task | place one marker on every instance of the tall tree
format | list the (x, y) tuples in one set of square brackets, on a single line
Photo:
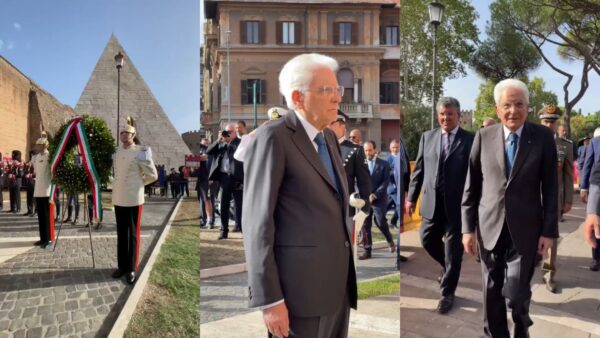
[(456, 38), (572, 26), (504, 54)]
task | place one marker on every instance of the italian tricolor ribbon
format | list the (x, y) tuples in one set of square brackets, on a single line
[(83, 145)]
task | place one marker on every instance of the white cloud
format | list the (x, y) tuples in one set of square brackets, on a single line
[(17, 26), (10, 45)]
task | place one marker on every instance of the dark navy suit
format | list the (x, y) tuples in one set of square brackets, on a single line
[(590, 180), (380, 179)]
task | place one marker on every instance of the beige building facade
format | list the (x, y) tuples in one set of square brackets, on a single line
[(259, 37), (25, 111)]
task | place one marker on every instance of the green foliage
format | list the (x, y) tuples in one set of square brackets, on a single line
[(504, 54), (417, 120), (582, 126), (70, 176), (456, 37)]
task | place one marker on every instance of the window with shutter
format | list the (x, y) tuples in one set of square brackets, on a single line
[(252, 34), (279, 32), (345, 34), (289, 33), (298, 33), (243, 34), (391, 35), (244, 92), (389, 93), (354, 33)]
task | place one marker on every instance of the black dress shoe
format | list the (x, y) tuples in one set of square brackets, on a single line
[(38, 243), (445, 304), (46, 245), (237, 230), (130, 278), (223, 236), (211, 225), (118, 273), (365, 255), (26, 214), (595, 266), (402, 258)]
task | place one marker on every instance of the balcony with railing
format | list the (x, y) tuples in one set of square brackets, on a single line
[(358, 110)]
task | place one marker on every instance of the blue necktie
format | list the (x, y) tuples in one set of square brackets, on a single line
[(371, 166), (511, 151), (325, 158)]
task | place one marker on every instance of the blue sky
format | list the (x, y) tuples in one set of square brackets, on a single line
[(466, 89), (57, 44)]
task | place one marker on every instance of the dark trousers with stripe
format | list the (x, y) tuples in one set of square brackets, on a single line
[(128, 236), (43, 210)]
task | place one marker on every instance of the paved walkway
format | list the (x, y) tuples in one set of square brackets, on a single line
[(571, 313), (46, 293), (224, 305)]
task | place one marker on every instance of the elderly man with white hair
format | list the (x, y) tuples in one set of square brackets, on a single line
[(296, 231), (511, 199)]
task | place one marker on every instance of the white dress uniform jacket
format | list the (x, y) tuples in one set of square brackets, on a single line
[(134, 169), (41, 168)]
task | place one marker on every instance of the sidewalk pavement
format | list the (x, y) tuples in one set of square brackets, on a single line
[(573, 312), (224, 305), (45, 293)]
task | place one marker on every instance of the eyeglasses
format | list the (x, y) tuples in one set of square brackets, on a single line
[(353, 137), (327, 90)]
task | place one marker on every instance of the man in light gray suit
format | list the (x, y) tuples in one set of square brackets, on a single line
[(510, 165), (297, 232)]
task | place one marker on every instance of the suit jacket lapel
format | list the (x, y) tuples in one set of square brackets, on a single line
[(306, 147), (522, 151), (501, 149)]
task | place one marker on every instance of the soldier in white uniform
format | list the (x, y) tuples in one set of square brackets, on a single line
[(134, 169), (41, 191)]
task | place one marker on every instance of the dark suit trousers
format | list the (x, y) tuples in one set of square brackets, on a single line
[(506, 274), (443, 242), (15, 196), (128, 236), (1, 193), (596, 251), (333, 325), (43, 210), (30, 200), (228, 191), (380, 222)]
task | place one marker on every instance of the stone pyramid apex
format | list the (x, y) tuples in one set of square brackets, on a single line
[(153, 126)]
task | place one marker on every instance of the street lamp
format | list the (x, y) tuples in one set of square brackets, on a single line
[(119, 65), (436, 11), (228, 78)]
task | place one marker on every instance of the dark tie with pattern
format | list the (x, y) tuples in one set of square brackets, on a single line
[(325, 158)]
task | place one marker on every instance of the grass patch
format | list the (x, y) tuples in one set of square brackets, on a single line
[(384, 286), (170, 304)]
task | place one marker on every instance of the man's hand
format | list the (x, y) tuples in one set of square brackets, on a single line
[(468, 241), (372, 198), (584, 196), (544, 244), (203, 157), (411, 208), (567, 208), (592, 229), (277, 320)]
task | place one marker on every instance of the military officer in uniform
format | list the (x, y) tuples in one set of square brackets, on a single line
[(28, 182), (549, 116), (355, 162), (41, 191), (15, 178), (134, 169)]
